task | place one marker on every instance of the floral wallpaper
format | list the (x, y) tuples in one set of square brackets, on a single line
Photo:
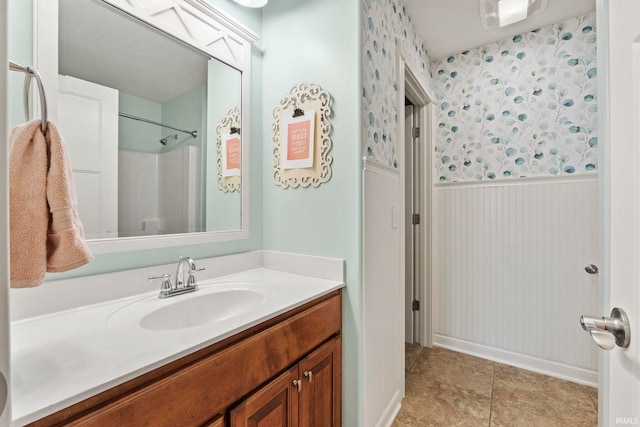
[(384, 21), (521, 107)]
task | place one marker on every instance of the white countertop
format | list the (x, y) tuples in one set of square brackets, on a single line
[(62, 358)]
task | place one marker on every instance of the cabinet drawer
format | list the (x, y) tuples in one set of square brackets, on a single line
[(192, 395)]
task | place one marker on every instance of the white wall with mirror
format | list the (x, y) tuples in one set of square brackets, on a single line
[(140, 92)]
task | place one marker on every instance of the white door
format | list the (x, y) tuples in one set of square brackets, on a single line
[(88, 121), (619, 34)]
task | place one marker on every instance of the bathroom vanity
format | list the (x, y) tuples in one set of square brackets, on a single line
[(286, 369), (275, 361)]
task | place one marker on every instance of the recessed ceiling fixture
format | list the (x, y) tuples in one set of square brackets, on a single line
[(252, 3), (500, 13)]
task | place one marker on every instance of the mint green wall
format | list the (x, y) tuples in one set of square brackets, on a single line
[(184, 112), (318, 41), (20, 51), (136, 135)]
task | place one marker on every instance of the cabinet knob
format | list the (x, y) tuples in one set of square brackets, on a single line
[(298, 384), (309, 375)]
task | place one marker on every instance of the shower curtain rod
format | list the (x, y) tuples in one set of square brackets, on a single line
[(193, 133)]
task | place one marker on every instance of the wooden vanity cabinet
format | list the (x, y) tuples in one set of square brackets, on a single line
[(321, 391), (307, 395), (274, 405), (244, 380)]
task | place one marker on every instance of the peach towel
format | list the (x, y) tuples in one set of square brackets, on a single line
[(45, 230), (28, 211), (66, 248)]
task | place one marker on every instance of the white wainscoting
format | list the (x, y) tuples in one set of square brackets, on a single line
[(383, 297), (509, 278)]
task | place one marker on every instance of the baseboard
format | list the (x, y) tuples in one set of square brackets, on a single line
[(391, 412), (530, 363)]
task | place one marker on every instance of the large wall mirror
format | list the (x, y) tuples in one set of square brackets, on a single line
[(152, 100)]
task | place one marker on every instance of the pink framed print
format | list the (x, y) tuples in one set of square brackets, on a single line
[(231, 154), (298, 137)]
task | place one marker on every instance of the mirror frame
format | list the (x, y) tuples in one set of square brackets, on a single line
[(222, 37)]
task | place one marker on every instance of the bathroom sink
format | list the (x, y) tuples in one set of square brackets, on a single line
[(208, 305), (201, 309)]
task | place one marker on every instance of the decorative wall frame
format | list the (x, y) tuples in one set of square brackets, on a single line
[(229, 126), (304, 97)]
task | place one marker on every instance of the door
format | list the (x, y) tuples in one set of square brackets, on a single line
[(320, 395), (88, 121), (619, 369), (412, 222), (274, 405)]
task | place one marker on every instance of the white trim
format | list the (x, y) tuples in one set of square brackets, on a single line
[(226, 39), (105, 246), (530, 363), (224, 19), (604, 195), (45, 54), (411, 86), (391, 412), (5, 330), (562, 179), (376, 166)]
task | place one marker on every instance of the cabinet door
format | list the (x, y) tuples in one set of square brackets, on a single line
[(320, 399), (215, 422), (274, 405)]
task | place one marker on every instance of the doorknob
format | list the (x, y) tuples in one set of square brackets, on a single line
[(608, 332), (591, 269)]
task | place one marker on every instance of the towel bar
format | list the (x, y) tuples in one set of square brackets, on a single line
[(30, 73)]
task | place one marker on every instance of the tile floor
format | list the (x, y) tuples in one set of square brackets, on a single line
[(445, 388)]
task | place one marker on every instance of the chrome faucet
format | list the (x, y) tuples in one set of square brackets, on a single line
[(185, 279)]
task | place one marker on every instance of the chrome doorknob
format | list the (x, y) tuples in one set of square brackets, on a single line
[(591, 269), (608, 332)]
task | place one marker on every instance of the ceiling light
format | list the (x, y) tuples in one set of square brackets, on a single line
[(500, 13), (252, 3)]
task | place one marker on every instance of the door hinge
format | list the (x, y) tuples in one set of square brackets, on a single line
[(415, 305), (415, 219), (415, 132)]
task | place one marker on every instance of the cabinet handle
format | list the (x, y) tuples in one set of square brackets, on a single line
[(309, 375), (298, 384)]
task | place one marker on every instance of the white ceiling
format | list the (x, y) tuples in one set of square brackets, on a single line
[(105, 46), (449, 27)]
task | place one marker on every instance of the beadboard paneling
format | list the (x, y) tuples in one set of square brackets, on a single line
[(509, 268), (383, 298)]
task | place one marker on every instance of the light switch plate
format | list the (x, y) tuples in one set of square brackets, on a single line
[(395, 216)]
